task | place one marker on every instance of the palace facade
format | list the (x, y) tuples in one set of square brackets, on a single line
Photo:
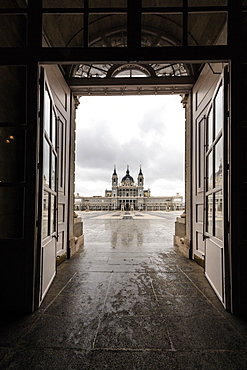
[(128, 196)]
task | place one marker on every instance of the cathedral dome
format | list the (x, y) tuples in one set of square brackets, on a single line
[(127, 178)]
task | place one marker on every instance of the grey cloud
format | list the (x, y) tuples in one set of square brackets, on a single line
[(102, 153), (95, 148), (152, 122)]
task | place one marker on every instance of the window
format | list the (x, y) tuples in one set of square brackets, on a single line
[(49, 166), (214, 167)]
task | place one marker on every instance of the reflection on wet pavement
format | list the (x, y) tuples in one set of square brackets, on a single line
[(127, 300)]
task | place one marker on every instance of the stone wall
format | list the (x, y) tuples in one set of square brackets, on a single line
[(182, 237), (78, 239)]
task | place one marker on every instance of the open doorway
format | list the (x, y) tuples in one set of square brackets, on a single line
[(130, 130), (108, 139)]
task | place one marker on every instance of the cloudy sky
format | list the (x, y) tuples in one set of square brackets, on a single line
[(133, 130)]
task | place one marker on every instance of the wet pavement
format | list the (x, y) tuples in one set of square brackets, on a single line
[(128, 300)]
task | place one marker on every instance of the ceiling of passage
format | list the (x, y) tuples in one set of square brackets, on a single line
[(134, 25)]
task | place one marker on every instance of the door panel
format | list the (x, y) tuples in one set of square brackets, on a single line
[(209, 183), (48, 187), (48, 259), (202, 94), (214, 191), (213, 271), (198, 205), (62, 185)]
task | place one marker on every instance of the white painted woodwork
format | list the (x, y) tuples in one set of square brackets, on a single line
[(55, 242), (205, 243)]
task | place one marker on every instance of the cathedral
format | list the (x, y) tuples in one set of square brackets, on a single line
[(128, 196)]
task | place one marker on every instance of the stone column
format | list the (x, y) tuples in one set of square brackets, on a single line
[(76, 238), (182, 237)]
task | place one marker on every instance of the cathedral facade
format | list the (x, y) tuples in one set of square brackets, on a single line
[(128, 196)]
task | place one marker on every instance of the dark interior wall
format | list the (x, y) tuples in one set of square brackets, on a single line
[(238, 187), (12, 177), (17, 187), (13, 94), (12, 150)]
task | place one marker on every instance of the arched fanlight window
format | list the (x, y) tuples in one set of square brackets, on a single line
[(132, 70)]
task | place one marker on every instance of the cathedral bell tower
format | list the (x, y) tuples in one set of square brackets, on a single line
[(140, 187), (114, 178), (114, 182), (140, 178)]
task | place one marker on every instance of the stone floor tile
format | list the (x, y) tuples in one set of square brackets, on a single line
[(132, 332), (116, 360), (67, 305), (212, 360), (160, 360), (129, 260), (160, 278), (46, 359), (186, 306), (99, 268), (62, 332), (4, 353), (174, 287), (66, 276), (201, 283), (204, 332), (130, 297), (88, 284), (129, 268), (189, 267), (240, 324), (13, 327)]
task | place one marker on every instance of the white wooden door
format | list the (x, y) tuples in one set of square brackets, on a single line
[(210, 176), (49, 160), (202, 94), (215, 216), (54, 168)]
